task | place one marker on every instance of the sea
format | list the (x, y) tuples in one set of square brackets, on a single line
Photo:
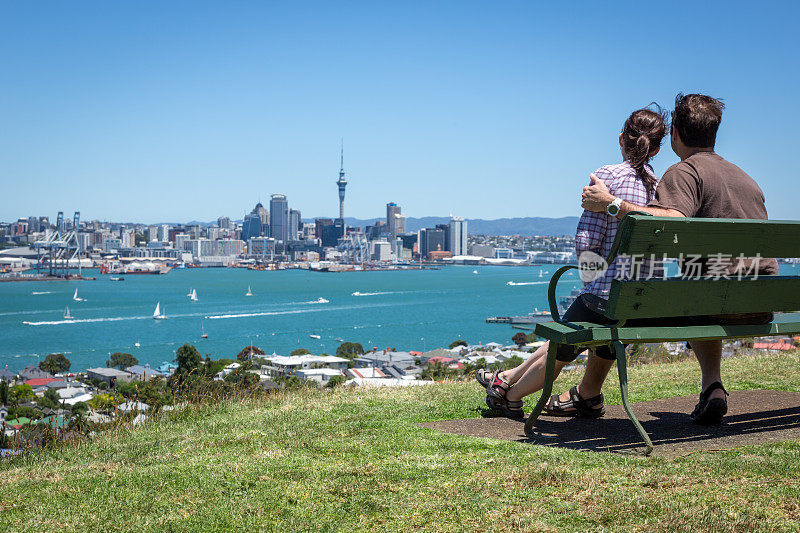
[(403, 309)]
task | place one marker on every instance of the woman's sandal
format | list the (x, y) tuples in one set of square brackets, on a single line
[(497, 387), (484, 377), (576, 405), (509, 408)]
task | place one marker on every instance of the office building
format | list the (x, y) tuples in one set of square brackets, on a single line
[(332, 233), (279, 217), (295, 224), (224, 223), (431, 240), (392, 210), (458, 235)]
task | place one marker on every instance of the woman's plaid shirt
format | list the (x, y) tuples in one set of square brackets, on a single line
[(596, 231)]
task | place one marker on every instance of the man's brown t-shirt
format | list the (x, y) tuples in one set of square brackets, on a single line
[(705, 185)]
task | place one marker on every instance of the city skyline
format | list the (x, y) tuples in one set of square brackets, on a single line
[(486, 111)]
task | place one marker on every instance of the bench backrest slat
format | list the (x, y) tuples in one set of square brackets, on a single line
[(646, 235), (678, 297)]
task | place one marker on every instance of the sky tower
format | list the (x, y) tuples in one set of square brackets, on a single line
[(342, 183)]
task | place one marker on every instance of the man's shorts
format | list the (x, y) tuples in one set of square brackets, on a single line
[(580, 312)]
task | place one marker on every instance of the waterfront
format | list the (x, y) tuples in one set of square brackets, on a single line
[(407, 310)]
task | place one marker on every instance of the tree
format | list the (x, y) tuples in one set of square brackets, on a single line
[(512, 362), (121, 360), (300, 351), (3, 393), (50, 399), (520, 339), (349, 350), (459, 342), (188, 359), (22, 392), (55, 363), (249, 351)]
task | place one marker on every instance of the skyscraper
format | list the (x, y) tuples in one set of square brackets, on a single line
[(392, 210), (279, 217), (458, 235), (294, 224), (342, 183)]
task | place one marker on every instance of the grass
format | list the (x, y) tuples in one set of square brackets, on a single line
[(356, 460)]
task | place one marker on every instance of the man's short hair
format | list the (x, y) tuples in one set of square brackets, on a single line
[(697, 118)]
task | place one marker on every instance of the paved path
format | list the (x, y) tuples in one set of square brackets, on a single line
[(754, 417)]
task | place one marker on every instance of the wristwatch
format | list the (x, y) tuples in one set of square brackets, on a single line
[(613, 208)]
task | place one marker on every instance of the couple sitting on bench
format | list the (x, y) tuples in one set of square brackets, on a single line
[(702, 185)]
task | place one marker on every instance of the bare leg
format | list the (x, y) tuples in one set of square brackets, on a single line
[(709, 355), (512, 375), (532, 380)]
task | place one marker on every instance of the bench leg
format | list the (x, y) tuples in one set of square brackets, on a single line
[(619, 351), (547, 389)]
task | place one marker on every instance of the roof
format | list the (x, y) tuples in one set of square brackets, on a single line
[(143, 370), (6, 374), (774, 346), (440, 359), (18, 422), (319, 372), (365, 373), (40, 382), (292, 360), (108, 372), (58, 384)]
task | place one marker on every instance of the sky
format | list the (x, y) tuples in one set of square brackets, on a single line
[(176, 111)]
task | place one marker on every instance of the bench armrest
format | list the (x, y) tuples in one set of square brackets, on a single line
[(551, 291)]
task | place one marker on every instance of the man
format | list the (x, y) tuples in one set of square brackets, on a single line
[(704, 185)]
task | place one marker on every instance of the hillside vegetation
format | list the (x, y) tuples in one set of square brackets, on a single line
[(346, 459)]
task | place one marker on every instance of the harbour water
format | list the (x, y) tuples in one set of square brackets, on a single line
[(406, 310)]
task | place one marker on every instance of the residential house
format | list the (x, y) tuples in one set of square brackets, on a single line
[(7, 375), (34, 372), (320, 375), (383, 358), (109, 375), (143, 373), (282, 365)]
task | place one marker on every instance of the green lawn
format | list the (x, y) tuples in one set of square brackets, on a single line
[(356, 460)]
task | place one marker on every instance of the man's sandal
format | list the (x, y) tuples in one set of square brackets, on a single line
[(484, 377), (576, 405), (709, 412), (497, 387)]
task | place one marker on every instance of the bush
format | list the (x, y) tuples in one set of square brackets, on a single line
[(335, 381), (188, 359), (520, 339), (459, 342)]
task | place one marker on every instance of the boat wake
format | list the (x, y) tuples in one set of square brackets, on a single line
[(516, 284), (82, 320), (37, 293), (370, 293), (319, 301), (264, 313)]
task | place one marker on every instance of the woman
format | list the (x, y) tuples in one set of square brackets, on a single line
[(632, 180)]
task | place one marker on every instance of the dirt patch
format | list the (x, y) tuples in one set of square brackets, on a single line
[(754, 417)]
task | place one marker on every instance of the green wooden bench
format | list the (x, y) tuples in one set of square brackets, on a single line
[(673, 297)]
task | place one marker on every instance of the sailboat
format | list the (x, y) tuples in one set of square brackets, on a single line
[(193, 296), (75, 296), (189, 294), (540, 272), (203, 330), (249, 292), (158, 314), (136, 344), (67, 315)]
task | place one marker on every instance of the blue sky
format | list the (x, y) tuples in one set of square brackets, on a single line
[(177, 111)]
